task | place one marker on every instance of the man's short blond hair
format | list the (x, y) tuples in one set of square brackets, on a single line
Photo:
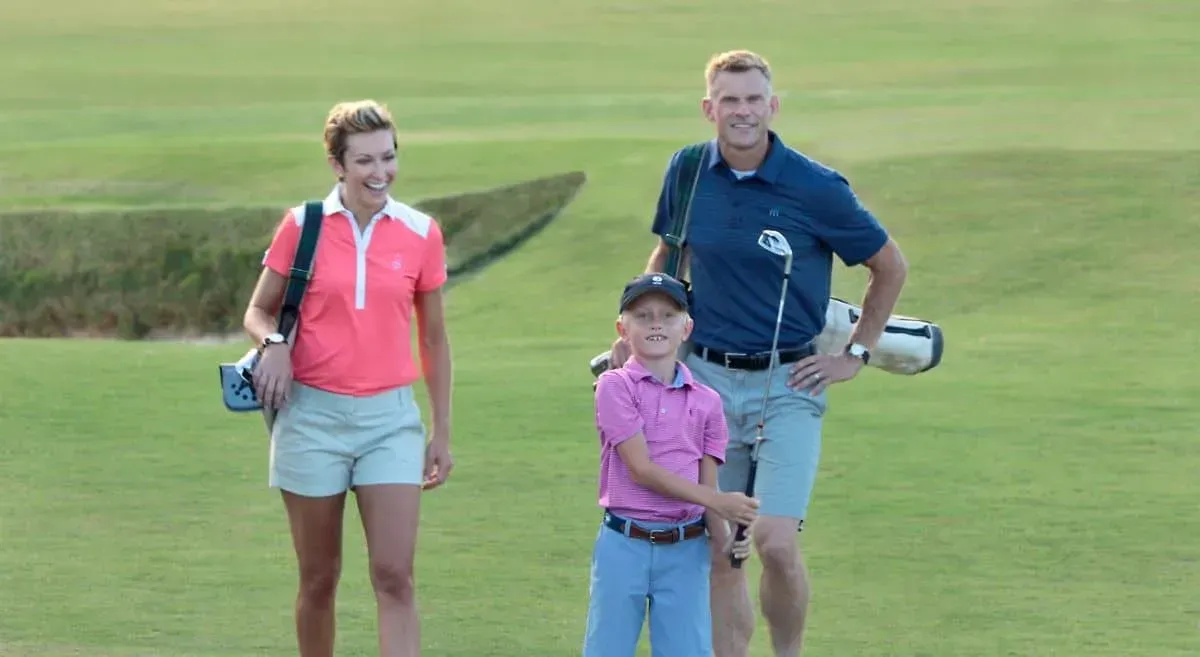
[(352, 118), (736, 61)]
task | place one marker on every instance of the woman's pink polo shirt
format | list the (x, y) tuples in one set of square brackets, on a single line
[(354, 334)]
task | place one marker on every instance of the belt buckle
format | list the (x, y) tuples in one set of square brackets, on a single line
[(727, 355), (654, 535), (667, 535)]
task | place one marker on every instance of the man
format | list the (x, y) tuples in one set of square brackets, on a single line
[(751, 181)]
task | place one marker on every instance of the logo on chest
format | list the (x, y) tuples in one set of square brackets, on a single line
[(397, 262)]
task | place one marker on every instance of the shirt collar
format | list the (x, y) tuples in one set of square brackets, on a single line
[(771, 166), (333, 205), (683, 376)]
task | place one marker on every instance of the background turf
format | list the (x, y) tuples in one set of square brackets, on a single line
[(1038, 162)]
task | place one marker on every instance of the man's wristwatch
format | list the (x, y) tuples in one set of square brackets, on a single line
[(860, 352), (272, 338)]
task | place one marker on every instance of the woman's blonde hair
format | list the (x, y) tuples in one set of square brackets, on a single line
[(352, 118)]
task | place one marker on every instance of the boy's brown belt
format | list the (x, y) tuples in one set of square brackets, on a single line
[(657, 536)]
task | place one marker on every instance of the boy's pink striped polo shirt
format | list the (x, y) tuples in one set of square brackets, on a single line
[(353, 336), (681, 423)]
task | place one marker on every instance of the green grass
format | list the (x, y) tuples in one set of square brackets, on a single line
[(1038, 162)]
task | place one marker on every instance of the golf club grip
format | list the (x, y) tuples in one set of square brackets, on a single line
[(741, 529)]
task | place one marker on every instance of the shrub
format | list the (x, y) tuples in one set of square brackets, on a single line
[(190, 271)]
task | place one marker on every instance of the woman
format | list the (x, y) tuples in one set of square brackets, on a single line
[(347, 418)]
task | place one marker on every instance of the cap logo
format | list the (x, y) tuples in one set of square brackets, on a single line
[(657, 280)]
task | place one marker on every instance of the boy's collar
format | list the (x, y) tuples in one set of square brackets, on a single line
[(683, 376)]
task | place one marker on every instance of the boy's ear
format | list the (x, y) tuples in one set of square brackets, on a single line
[(688, 325)]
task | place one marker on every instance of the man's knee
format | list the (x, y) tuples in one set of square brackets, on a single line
[(775, 540)]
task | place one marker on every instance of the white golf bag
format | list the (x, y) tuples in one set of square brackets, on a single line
[(908, 345)]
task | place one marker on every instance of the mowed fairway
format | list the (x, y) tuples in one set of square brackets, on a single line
[(1037, 160)]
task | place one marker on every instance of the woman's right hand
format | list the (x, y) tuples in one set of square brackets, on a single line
[(273, 376)]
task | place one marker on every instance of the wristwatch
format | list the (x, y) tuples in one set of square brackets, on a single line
[(273, 338), (858, 351)]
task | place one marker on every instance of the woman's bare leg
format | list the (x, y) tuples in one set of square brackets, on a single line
[(390, 514), (317, 537)]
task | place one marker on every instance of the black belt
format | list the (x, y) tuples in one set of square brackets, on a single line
[(759, 361), (657, 536)]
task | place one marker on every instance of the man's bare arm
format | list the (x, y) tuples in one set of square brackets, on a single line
[(658, 260), (888, 271)]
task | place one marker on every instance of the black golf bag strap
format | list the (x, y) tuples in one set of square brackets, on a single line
[(691, 163), (301, 272)]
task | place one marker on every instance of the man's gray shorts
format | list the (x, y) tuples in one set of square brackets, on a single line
[(788, 458)]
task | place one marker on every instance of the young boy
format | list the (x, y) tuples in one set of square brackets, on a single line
[(662, 435)]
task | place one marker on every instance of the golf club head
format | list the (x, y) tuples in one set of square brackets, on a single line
[(775, 242)]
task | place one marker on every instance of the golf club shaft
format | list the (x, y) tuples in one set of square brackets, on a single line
[(762, 414)]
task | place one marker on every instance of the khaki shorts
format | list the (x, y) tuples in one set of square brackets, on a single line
[(791, 449), (324, 443)]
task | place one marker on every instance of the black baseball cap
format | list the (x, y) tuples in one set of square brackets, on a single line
[(655, 282)]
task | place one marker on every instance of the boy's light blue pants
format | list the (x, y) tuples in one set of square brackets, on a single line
[(631, 576)]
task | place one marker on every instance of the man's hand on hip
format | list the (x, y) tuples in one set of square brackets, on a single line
[(818, 372)]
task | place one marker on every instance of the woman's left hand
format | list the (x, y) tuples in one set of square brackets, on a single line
[(438, 461)]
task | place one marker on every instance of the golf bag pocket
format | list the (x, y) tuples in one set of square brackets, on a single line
[(237, 388)]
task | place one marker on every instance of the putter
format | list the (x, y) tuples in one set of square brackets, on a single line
[(774, 242)]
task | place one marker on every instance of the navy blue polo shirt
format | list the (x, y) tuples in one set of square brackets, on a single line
[(735, 282)]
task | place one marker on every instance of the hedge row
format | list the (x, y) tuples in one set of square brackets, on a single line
[(191, 271)]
